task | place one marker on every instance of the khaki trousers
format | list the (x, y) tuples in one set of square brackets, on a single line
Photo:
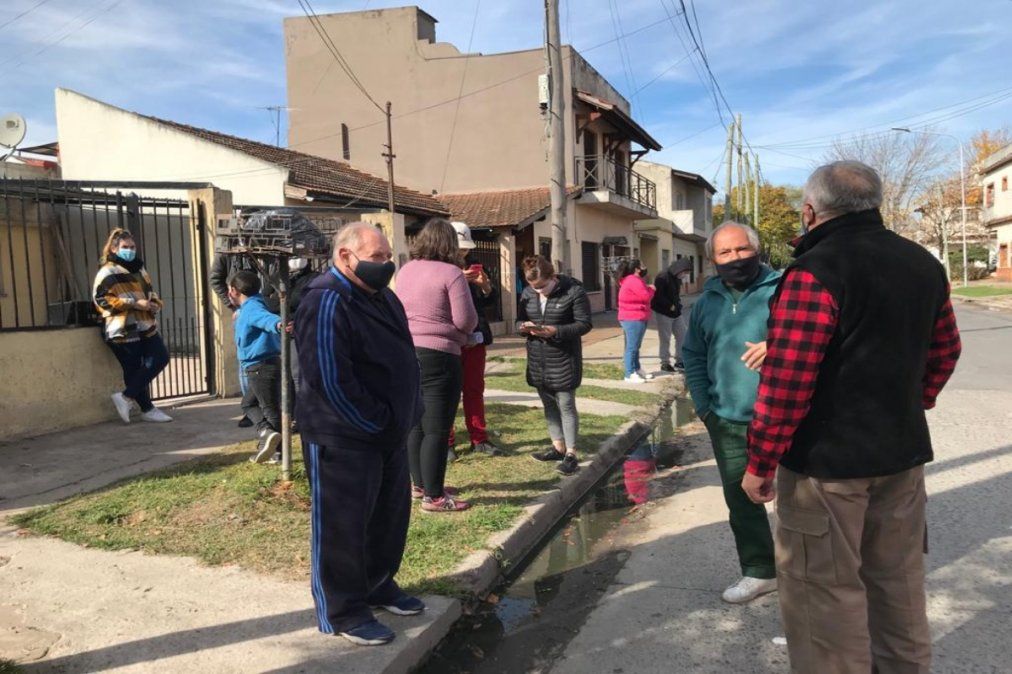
[(850, 571)]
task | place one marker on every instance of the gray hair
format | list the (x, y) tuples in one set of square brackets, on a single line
[(843, 187), (753, 236), (350, 235)]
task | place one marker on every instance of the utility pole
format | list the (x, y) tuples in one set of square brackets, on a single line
[(727, 177), (748, 187), (556, 137), (739, 199), (945, 230), (389, 154), (755, 195)]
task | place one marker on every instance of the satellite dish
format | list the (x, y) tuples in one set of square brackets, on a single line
[(12, 130)]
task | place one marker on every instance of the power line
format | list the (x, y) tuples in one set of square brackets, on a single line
[(27, 11), (460, 91), (45, 47), (328, 43), (973, 103), (623, 52), (665, 72), (494, 85)]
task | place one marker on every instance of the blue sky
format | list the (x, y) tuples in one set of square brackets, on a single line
[(801, 73)]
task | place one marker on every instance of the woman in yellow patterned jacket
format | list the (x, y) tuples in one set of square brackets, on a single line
[(128, 303)]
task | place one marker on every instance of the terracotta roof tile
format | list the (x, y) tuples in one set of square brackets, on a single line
[(504, 208), (317, 174)]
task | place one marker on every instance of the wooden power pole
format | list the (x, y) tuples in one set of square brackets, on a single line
[(727, 177), (556, 137), (748, 188), (738, 201), (389, 155), (755, 195)]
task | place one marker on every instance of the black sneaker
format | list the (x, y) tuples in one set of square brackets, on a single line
[(488, 448), (569, 465), (269, 441), (550, 454), (245, 422), (665, 367), (679, 366)]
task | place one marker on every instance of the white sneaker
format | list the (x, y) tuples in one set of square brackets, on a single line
[(156, 415), (635, 378), (747, 589), (122, 406), (646, 375)]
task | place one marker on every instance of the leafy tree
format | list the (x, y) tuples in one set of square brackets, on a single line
[(779, 219)]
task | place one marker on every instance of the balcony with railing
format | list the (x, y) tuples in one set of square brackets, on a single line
[(616, 187)]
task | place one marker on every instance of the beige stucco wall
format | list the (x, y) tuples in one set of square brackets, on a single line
[(1002, 206), (55, 379), (497, 129), (101, 142)]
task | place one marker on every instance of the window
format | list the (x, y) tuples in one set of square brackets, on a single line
[(665, 259), (680, 202), (692, 272), (545, 247), (345, 142), (989, 195), (1004, 184), (591, 253)]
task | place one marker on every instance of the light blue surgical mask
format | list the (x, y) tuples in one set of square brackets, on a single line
[(127, 254)]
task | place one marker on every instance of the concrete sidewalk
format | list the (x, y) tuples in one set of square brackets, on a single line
[(47, 468), (65, 608)]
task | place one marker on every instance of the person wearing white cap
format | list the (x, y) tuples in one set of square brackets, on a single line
[(473, 355)]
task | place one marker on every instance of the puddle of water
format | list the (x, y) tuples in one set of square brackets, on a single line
[(546, 600)]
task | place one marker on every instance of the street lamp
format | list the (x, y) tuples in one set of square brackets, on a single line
[(962, 185)]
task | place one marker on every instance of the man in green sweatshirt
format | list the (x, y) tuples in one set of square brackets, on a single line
[(723, 351)]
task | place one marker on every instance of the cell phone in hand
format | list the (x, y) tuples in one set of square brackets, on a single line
[(476, 268)]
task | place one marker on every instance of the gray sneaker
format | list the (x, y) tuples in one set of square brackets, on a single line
[(269, 441)]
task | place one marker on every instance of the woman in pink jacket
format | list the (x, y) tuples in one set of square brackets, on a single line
[(634, 297)]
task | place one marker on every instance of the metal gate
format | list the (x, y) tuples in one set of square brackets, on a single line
[(52, 235), (486, 252)]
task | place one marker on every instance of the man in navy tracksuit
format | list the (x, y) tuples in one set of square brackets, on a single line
[(360, 396)]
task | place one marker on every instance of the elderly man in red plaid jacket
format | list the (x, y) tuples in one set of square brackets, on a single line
[(862, 338)]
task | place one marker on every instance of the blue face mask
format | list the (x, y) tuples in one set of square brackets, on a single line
[(126, 254)]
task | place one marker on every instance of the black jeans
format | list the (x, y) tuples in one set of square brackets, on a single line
[(427, 442), (141, 361), (262, 403)]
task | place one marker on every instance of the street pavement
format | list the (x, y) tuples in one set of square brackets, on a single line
[(663, 613)]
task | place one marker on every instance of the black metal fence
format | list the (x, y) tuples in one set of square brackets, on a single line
[(488, 255), (51, 239)]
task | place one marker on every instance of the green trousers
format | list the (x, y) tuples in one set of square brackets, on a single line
[(749, 523)]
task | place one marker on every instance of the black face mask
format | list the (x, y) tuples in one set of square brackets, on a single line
[(741, 273), (376, 275)]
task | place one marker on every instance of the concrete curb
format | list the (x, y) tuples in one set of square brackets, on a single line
[(481, 571)]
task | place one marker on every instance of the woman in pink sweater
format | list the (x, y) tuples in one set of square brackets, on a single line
[(634, 297), (442, 318)]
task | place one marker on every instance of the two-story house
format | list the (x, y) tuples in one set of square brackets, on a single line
[(684, 219), (996, 173), (470, 129)]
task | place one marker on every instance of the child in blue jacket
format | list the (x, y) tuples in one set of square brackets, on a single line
[(258, 341)]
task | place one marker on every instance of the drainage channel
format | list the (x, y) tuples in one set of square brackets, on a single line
[(529, 620)]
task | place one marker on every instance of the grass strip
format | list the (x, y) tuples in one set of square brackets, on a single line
[(982, 291), (222, 509), (515, 380)]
